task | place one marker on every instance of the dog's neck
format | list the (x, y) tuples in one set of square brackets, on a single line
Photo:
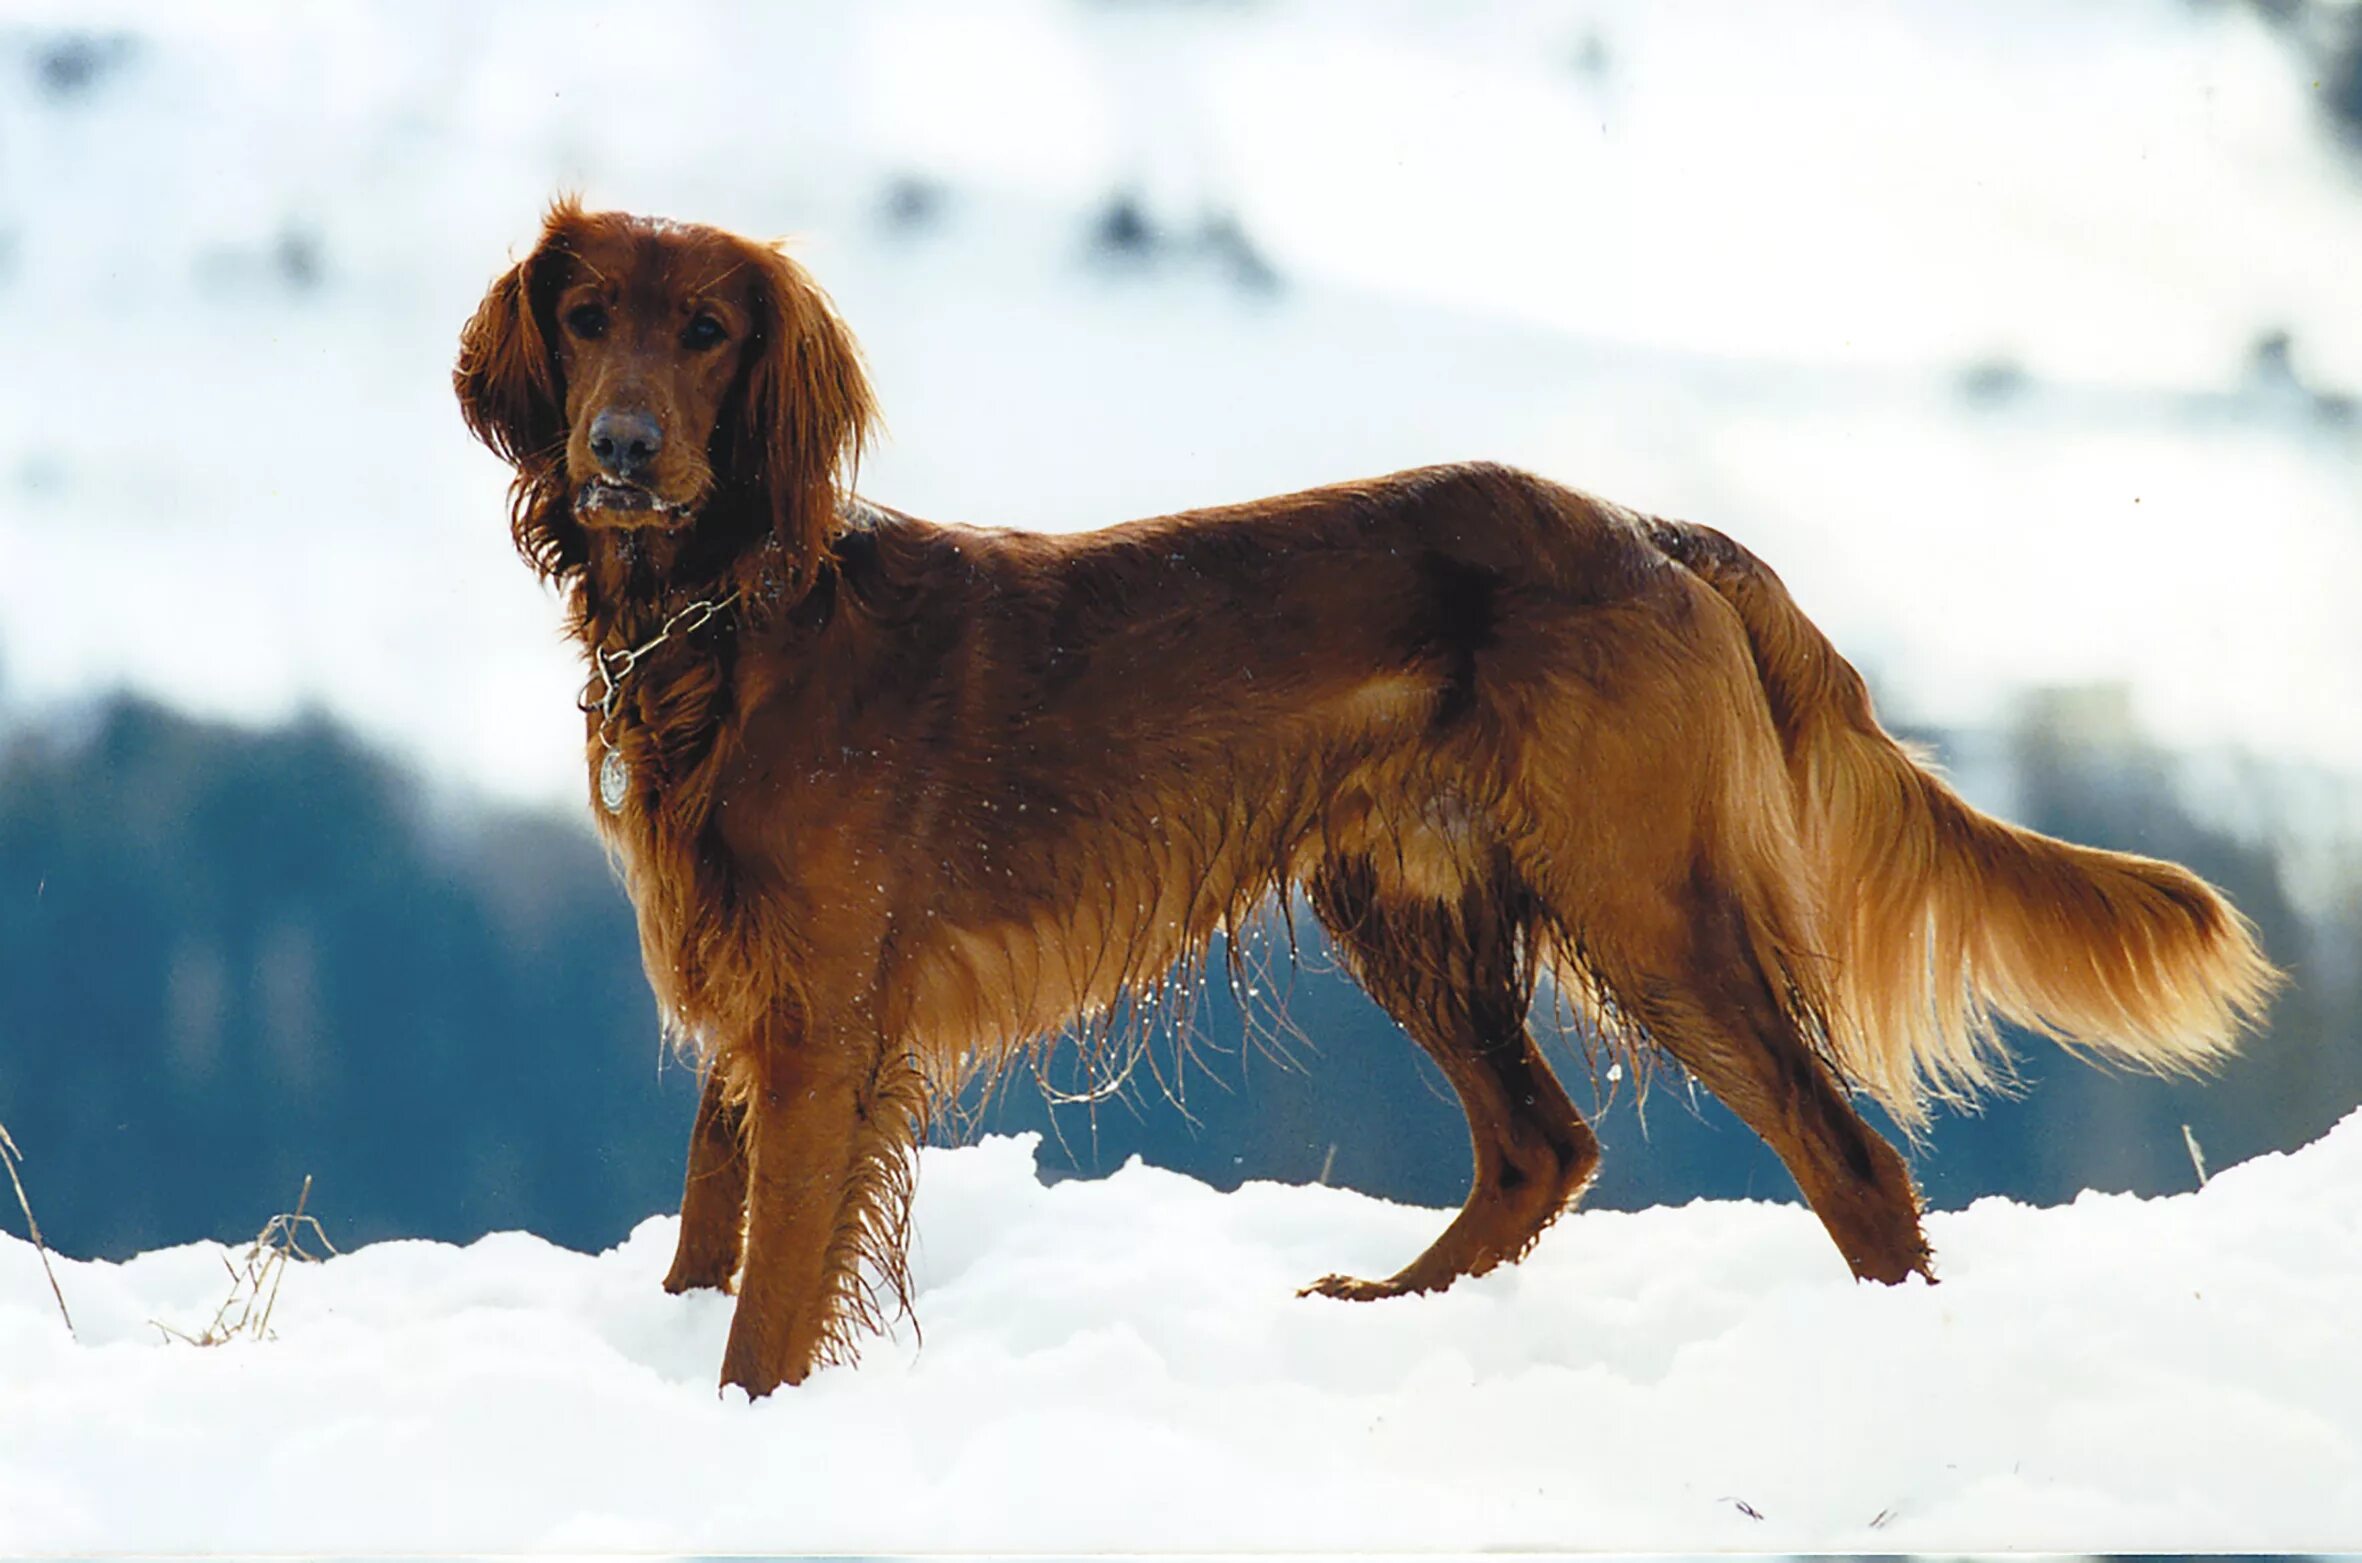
[(634, 582), (631, 583)]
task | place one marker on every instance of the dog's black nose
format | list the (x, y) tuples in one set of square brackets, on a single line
[(625, 443)]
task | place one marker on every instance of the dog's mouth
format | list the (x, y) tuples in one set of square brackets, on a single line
[(604, 501)]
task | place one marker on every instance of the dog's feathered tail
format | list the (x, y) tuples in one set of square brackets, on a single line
[(1937, 921)]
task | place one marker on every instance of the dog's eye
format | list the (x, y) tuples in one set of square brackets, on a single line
[(704, 332), (587, 321)]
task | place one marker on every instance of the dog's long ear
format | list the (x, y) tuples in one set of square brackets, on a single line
[(512, 397), (505, 377), (805, 413)]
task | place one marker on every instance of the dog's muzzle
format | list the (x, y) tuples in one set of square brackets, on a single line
[(603, 496)]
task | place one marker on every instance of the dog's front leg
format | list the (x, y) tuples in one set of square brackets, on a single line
[(831, 1129), (713, 1194)]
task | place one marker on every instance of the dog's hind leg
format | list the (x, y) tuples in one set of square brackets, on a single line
[(1711, 1006), (713, 1194), (1659, 830), (1454, 975)]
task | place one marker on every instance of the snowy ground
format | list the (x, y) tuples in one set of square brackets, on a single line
[(1122, 1365)]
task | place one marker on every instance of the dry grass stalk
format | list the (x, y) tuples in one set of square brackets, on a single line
[(254, 1280), (10, 1155)]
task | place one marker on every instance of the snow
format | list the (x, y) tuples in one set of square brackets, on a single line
[(1123, 1364)]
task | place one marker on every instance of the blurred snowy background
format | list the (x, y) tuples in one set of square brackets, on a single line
[(2022, 338)]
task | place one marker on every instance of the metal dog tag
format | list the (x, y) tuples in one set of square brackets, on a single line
[(615, 781)]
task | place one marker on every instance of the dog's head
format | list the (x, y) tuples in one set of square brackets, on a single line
[(642, 374)]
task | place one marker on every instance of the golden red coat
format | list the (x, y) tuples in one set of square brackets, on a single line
[(915, 798)]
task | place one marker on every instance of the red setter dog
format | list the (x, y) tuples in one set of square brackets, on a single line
[(897, 800)]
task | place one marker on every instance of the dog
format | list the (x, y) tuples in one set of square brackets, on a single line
[(897, 802)]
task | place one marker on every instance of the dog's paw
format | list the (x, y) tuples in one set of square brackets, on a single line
[(678, 1282), (1352, 1288)]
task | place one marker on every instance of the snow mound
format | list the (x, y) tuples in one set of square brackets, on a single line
[(1124, 1364)]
